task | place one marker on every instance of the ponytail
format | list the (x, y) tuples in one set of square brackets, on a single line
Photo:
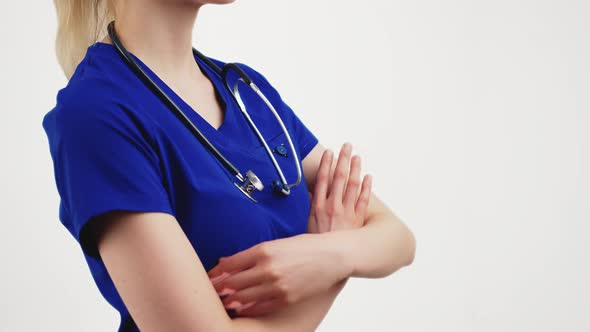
[(80, 23)]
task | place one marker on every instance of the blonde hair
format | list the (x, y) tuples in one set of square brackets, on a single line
[(80, 23)]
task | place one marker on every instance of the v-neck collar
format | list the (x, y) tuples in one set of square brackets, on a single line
[(220, 92)]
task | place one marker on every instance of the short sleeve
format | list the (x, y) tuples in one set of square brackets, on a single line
[(103, 160), (305, 138)]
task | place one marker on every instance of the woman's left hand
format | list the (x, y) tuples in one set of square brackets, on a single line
[(274, 274)]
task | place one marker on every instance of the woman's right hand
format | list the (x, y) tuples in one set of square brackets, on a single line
[(336, 200)]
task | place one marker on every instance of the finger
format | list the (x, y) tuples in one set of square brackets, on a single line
[(354, 182), (233, 312), (322, 177), (256, 293), (312, 225), (363, 199), (243, 279), (261, 308), (245, 305), (237, 262), (218, 272), (330, 180), (341, 172), (220, 277)]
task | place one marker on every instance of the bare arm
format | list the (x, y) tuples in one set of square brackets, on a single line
[(166, 288), (383, 245)]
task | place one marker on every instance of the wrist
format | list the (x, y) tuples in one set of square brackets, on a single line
[(337, 246)]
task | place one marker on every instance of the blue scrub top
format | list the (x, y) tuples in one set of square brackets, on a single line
[(116, 146)]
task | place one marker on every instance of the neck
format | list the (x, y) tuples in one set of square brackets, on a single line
[(158, 32)]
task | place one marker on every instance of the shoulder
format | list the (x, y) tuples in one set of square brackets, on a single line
[(94, 98), (99, 77)]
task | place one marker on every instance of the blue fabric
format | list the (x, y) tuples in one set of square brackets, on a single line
[(116, 146)]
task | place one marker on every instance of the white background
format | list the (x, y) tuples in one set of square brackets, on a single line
[(473, 117)]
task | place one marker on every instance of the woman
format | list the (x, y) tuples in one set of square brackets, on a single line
[(171, 243)]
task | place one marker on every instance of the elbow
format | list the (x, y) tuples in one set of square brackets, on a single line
[(405, 250), (403, 246), (410, 247)]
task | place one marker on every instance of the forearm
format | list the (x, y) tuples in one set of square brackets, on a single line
[(379, 248), (305, 315)]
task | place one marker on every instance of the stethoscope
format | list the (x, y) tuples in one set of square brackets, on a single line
[(247, 184)]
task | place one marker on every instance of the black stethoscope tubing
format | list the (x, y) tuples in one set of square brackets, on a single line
[(250, 182), (171, 104)]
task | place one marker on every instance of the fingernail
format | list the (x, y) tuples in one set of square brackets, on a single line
[(219, 278), (247, 305), (233, 305), (226, 291)]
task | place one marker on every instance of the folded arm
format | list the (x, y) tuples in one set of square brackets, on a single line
[(381, 246), (166, 288)]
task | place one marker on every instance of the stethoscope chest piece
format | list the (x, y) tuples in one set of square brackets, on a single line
[(250, 183)]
